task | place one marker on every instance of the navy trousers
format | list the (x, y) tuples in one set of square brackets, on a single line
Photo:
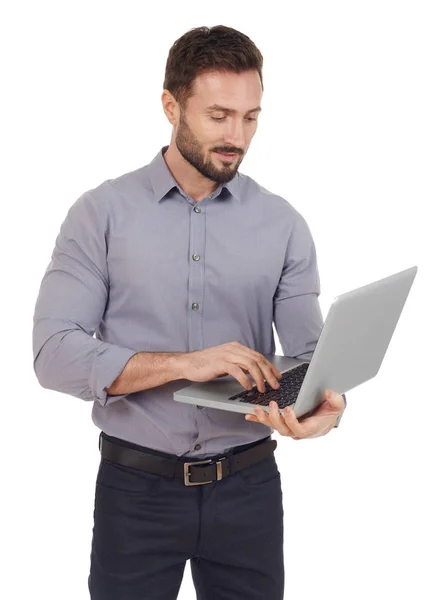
[(146, 526)]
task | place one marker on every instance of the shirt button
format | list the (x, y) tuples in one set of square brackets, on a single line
[(195, 306), (197, 447), (200, 407), (196, 256), (197, 209)]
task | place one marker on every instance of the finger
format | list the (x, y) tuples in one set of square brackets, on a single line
[(250, 417), (277, 417), (262, 419), (255, 373), (270, 375), (245, 364), (334, 399), (240, 375), (261, 358), (274, 419), (310, 426), (260, 369), (292, 422), (262, 416), (249, 352)]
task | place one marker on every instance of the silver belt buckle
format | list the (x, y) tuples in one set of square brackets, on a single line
[(202, 462)]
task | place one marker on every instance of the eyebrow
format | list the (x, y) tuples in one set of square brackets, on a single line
[(230, 110)]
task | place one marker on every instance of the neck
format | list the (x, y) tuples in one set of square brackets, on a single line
[(189, 179)]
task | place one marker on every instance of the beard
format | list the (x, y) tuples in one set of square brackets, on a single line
[(191, 150)]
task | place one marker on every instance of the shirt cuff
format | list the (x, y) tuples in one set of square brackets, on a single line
[(109, 362)]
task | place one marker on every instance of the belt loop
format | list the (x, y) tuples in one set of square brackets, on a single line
[(231, 460), (173, 473)]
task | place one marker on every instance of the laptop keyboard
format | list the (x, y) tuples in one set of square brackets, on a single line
[(290, 384)]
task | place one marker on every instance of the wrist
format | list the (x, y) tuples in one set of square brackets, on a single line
[(176, 364)]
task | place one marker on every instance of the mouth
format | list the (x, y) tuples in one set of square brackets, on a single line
[(225, 156)]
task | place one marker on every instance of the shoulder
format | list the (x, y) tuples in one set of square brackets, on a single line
[(113, 194), (257, 195)]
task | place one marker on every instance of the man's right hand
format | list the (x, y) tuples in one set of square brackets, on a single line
[(233, 359)]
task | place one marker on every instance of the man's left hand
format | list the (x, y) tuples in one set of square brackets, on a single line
[(319, 423)]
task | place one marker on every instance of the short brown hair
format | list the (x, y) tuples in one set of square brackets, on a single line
[(205, 49)]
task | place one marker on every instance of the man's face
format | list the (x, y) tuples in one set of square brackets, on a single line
[(199, 136)]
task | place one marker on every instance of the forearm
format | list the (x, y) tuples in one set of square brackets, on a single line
[(71, 361), (147, 370)]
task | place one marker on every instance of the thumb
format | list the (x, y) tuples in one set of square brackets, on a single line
[(332, 398)]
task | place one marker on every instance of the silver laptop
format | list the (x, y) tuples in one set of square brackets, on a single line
[(350, 350)]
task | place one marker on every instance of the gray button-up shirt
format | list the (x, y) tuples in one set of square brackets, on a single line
[(140, 266)]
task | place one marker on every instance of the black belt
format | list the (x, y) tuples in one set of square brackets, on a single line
[(216, 468)]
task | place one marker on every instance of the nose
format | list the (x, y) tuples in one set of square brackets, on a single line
[(235, 136)]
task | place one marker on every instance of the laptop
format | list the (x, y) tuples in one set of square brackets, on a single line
[(350, 350)]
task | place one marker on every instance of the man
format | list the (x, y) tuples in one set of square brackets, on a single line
[(172, 265)]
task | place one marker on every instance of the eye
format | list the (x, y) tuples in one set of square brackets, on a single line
[(222, 119)]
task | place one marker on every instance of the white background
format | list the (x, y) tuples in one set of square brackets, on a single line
[(345, 136)]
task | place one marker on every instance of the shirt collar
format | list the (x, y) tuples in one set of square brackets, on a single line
[(163, 180)]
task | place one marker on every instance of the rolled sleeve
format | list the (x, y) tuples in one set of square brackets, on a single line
[(109, 362), (70, 307)]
